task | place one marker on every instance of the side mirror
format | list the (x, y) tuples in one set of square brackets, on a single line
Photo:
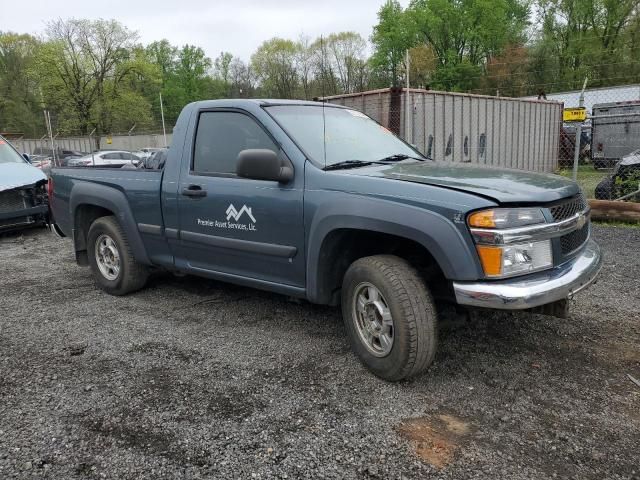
[(262, 164), (27, 157)]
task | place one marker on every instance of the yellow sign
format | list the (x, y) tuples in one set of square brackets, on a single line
[(109, 140), (574, 114)]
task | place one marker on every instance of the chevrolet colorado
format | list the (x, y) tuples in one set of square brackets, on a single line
[(320, 202)]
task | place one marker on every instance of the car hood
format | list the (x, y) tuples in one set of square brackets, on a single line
[(13, 175), (499, 184)]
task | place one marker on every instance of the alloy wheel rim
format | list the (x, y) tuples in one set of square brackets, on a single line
[(107, 257), (373, 320)]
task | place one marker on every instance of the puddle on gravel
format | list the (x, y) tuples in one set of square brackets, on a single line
[(435, 439)]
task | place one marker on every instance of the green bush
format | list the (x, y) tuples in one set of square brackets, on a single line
[(628, 183)]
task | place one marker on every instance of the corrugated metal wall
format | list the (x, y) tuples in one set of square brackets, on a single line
[(499, 131)]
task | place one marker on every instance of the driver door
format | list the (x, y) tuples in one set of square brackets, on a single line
[(241, 227)]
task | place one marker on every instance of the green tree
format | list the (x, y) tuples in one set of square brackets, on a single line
[(585, 38), (391, 38), (222, 66), (465, 34), (19, 103), (242, 79), (274, 64), (83, 67), (348, 60), (191, 71), (164, 55)]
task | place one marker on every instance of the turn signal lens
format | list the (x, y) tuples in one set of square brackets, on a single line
[(482, 219), (510, 260), (491, 259)]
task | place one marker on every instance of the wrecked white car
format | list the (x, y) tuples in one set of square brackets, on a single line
[(23, 191)]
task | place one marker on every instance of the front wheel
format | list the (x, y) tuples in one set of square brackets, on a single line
[(112, 263), (390, 317)]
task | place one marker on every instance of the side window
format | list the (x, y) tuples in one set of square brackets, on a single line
[(221, 136), (111, 156)]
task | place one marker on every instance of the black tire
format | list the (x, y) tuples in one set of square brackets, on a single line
[(412, 309), (131, 276), (604, 189)]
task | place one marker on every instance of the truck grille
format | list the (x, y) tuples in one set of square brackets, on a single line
[(12, 201), (568, 209), (572, 241)]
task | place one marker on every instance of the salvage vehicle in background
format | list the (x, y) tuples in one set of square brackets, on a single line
[(146, 152), (106, 159), (318, 201), (156, 160), (615, 132), (23, 194), (624, 180)]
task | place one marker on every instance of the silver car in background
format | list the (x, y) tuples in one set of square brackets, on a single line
[(106, 159)]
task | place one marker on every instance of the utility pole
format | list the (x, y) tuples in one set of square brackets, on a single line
[(93, 158), (164, 131), (408, 131), (47, 119), (576, 152), (129, 134)]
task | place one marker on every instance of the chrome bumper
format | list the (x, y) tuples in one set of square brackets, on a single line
[(535, 289)]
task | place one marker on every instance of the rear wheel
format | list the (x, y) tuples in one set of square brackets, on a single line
[(114, 268), (389, 316)]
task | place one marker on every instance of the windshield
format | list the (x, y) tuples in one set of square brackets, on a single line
[(8, 154), (349, 134)]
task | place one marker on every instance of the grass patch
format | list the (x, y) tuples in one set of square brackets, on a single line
[(616, 223), (588, 178)]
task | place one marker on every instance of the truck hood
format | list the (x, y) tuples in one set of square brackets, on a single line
[(499, 184), (14, 175)]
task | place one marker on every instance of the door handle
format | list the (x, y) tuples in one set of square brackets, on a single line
[(194, 191)]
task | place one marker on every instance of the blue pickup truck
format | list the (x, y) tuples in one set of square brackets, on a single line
[(320, 202)]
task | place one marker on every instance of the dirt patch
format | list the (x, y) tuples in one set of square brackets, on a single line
[(234, 404), (435, 439), (164, 351)]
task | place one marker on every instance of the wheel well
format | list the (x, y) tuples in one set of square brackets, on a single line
[(344, 246), (84, 216)]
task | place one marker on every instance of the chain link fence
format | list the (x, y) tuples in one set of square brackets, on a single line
[(87, 144), (605, 140)]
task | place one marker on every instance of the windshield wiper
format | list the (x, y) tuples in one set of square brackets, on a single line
[(363, 163), (350, 164), (399, 157)]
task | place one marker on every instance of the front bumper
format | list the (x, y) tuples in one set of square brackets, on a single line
[(536, 289), (23, 217)]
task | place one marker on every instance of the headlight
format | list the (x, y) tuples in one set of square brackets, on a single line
[(506, 218), (510, 260), (502, 260)]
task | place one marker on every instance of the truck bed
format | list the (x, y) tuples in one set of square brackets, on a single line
[(140, 190)]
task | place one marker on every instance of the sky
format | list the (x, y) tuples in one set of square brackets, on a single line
[(236, 26)]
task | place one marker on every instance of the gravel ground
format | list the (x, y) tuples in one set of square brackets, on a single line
[(192, 378)]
